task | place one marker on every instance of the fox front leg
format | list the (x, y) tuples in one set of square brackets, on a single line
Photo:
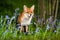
[(26, 28)]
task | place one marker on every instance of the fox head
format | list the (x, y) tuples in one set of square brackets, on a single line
[(28, 11)]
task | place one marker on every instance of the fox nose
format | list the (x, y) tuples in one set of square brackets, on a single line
[(30, 14)]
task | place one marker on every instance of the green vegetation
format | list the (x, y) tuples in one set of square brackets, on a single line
[(7, 7), (9, 32)]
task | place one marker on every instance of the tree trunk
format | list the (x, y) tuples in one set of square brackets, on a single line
[(42, 11), (56, 10), (53, 6)]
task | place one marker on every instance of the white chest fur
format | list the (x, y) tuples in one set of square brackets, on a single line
[(27, 20)]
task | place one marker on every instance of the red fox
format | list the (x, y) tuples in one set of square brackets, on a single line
[(24, 19)]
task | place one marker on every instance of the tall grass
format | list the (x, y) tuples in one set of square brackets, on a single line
[(9, 32)]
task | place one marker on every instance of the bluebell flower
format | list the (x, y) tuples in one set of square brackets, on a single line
[(16, 9), (7, 17), (48, 27), (37, 30), (12, 19)]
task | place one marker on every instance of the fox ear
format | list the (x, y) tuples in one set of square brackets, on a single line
[(25, 8), (32, 8)]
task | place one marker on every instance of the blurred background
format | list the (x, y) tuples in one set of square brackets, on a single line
[(46, 7), (7, 7)]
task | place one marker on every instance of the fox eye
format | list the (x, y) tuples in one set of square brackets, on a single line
[(27, 12), (31, 12)]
